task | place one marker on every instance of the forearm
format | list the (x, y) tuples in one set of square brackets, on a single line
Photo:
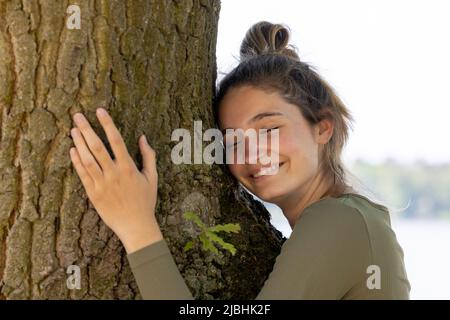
[(156, 273), (136, 239)]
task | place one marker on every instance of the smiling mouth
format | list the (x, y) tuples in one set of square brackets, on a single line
[(267, 172)]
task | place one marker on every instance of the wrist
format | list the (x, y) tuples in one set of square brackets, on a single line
[(133, 241)]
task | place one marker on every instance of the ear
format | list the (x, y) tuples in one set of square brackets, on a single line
[(324, 131)]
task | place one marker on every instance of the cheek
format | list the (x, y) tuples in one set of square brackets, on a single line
[(301, 152), (237, 170)]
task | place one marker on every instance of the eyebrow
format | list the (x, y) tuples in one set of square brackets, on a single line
[(264, 115), (260, 116)]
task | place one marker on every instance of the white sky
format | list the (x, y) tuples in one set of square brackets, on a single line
[(388, 60)]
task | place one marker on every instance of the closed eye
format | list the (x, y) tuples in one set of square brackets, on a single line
[(231, 145), (270, 129)]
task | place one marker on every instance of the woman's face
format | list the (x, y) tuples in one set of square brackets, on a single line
[(298, 151)]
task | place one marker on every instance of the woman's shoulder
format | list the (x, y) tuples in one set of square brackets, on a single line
[(352, 232), (351, 207), (353, 217), (334, 217)]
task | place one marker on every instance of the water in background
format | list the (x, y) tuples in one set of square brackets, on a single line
[(426, 245)]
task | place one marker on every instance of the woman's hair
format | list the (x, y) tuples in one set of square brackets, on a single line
[(269, 63)]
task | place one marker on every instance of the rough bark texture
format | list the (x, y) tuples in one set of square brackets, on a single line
[(152, 65)]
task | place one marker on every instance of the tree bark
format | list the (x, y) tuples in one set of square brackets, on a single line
[(152, 65)]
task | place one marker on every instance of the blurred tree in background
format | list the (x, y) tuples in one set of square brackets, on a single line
[(425, 187)]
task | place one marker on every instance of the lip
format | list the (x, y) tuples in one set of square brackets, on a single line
[(263, 178)]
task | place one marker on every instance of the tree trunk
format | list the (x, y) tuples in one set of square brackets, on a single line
[(152, 65)]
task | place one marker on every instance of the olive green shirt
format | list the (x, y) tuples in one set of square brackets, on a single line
[(340, 248)]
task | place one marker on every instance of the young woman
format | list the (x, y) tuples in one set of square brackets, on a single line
[(342, 245)]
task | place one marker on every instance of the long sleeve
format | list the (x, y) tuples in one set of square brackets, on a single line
[(156, 273), (326, 257)]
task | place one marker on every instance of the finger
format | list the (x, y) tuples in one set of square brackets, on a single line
[(148, 159), (114, 137), (93, 142), (86, 157), (85, 178)]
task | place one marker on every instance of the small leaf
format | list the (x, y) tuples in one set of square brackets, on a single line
[(188, 245), (195, 218), (207, 244), (227, 246), (214, 237), (229, 227)]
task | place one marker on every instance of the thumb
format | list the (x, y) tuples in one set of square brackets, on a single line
[(148, 159)]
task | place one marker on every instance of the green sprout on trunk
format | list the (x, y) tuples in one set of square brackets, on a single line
[(209, 236)]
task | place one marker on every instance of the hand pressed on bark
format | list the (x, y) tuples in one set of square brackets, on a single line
[(124, 197)]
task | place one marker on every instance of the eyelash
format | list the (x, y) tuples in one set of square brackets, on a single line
[(270, 129)]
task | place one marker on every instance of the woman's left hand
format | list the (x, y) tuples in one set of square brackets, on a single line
[(124, 197)]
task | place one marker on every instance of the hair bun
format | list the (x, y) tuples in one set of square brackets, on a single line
[(265, 37)]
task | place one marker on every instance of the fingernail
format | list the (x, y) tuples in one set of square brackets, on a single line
[(101, 112), (145, 139), (78, 117)]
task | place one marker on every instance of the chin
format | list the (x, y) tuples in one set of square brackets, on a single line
[(267, 188), (268, 195)]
